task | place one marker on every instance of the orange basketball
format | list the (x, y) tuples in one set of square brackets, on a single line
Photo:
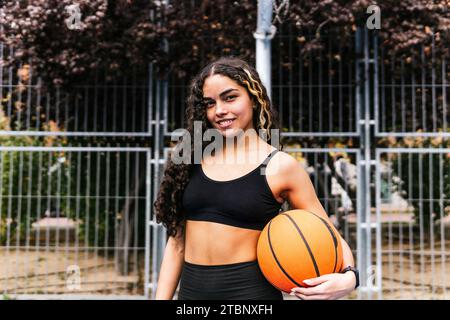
[(297, 245)]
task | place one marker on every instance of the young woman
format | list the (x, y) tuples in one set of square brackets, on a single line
[(214, 210)]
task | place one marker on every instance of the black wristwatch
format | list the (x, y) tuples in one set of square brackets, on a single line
[(355, 271)]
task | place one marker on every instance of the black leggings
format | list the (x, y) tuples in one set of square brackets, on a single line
[(237, 281)]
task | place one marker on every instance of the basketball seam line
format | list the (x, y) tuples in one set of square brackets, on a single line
[(334, 239), (306, 244), (276, 259)]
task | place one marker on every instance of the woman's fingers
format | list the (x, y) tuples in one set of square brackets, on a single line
[(310, 291), (311, 297), (329, 286), (316, 281)]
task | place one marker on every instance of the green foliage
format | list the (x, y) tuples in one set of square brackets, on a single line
[(112, 35), (31, 182), (182, 35), (88, 187), (424, 177)]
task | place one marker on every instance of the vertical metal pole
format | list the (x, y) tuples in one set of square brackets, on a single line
[(364, 225), (360, 210), (148, 157), (159, 234), (377, 162), (366, 152), (148, 197), (359, 214), (159, 230), (264, 33), (155, 234), (156, 252)]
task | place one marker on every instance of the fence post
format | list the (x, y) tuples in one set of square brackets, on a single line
[(263, 35), (365, 225)]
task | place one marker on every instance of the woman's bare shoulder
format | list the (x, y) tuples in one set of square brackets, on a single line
[(282, 164), (285, 159)]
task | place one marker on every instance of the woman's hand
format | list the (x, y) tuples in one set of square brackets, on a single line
[(327, 287)]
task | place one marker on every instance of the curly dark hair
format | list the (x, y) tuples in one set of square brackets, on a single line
[(168, 205)]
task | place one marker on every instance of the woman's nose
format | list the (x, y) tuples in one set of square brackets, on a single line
[(221, 108)]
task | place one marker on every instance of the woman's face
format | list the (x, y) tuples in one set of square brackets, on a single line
[(226, 99)]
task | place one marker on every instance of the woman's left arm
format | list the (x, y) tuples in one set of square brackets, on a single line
[(299, 192)]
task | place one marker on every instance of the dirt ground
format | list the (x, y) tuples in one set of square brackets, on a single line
[(41, 272), (415, 274)]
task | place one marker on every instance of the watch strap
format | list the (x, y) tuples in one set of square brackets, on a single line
[(355, 271)]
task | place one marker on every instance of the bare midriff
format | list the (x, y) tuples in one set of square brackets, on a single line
[(210, 243)]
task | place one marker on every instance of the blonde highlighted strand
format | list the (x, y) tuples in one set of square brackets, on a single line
[(257, 92)]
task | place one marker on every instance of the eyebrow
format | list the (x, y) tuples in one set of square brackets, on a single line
[(222, 94)]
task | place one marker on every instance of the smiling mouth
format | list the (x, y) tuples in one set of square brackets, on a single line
[(225, 124)]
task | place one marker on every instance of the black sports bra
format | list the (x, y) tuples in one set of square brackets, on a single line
[(245, 202)]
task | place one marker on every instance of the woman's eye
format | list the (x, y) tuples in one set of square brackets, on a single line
[(210, 103)]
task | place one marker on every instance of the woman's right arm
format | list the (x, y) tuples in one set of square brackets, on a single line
[(171, 266)]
